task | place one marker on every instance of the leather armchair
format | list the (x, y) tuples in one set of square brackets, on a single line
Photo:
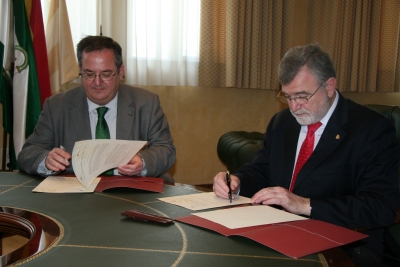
[(392, 236), (237, 148)]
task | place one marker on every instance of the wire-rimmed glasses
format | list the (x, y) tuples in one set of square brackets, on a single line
[(104, 76), (300, 99)]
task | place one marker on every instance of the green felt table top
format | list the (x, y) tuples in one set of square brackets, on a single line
[(93, 232)]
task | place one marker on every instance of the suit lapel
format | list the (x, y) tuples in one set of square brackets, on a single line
[(332, 136), (125, 115), (79, 116)]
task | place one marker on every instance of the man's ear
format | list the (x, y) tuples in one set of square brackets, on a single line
[(330, 86), (122, 72)]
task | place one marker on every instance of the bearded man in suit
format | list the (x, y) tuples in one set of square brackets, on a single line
[(350, 179), (132, 114)]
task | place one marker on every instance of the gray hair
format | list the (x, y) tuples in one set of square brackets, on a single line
[(317, 61)]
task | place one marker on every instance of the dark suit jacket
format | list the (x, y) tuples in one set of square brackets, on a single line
[(351, 177), (65, 120)]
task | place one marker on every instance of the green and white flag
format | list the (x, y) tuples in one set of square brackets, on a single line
[(26, 94), (7, 60)]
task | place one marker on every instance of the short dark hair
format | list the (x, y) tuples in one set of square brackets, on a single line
[(317, 61), (97, 43)]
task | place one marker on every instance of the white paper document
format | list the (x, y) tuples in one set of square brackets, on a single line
[(204, 201), (90, 158), (59, 184), (248, 216)]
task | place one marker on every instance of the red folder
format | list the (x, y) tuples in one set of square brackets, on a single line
[(143, 183), (294, 239)]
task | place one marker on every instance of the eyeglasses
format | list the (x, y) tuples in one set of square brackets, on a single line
[(298, 99), (104, 76)]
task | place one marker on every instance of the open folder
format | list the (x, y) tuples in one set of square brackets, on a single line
[(295, 239), (292, 238), (144, 183)]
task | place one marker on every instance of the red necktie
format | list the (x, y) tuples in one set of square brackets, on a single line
[(305, 151)]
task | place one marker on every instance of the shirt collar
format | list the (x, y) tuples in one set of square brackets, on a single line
[(111, 105), (328, 115)]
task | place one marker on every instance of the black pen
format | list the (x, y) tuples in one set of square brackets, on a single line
[(228, 182)]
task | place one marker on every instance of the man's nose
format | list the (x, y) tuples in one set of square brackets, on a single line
[(293, 105), (97, 80)]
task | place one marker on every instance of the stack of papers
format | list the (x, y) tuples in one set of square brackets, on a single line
[(204, 201), (61, 184), (90, 158)]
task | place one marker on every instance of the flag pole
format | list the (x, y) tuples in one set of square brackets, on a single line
[(4, 154)]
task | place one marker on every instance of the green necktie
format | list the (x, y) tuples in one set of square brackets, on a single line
[(102, 131)]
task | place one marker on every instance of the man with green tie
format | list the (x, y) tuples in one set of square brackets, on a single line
[(100, 108)]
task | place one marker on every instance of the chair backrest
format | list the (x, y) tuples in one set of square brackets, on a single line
[(390, 112), (237, 148), (393, 114), (392, 237)]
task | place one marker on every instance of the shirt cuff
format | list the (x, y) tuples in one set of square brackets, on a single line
[(42, 170), (144, 170)]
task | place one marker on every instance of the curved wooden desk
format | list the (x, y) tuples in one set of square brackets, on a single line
[(93, 232)]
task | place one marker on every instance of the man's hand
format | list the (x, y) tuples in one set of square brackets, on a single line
[(281, 196), (57, 160), (221, 189), (134, 166)]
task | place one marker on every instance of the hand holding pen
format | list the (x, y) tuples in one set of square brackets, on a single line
[(57, 159), (63, 149), (228, 183)]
